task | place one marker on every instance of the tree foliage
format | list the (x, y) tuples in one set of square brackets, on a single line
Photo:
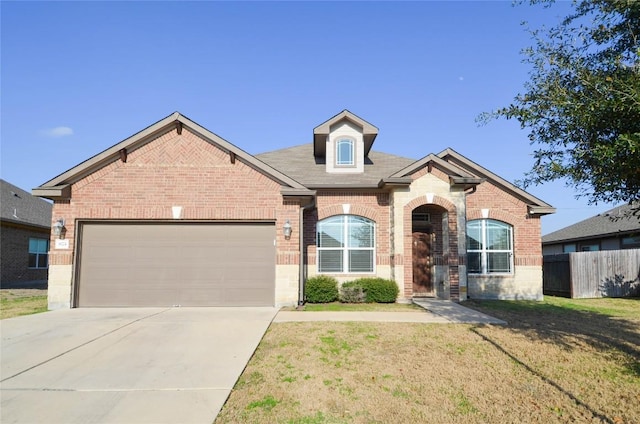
[(581, 104)]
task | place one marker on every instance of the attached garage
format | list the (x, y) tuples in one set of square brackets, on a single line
[(175, 264)]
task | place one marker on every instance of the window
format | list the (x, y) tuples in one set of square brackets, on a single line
[(489, 247), (569, 248), (38, 253), (592, 247), (344, 152), (346, 243), (630, 242)]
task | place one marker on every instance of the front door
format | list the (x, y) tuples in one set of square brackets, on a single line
[(421, 258)]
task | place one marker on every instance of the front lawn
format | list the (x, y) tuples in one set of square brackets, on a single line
[(560, 360), (16, 302)]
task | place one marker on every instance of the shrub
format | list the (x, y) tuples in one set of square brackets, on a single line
[(376, 290), (321, 289), (351, 293)]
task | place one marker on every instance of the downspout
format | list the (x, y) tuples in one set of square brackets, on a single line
[(301, 261)]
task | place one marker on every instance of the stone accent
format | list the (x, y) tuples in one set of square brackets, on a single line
[(60, 290)]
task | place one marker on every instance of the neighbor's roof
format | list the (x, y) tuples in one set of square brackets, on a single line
[(300, 164), (19, 206), (618, 220)]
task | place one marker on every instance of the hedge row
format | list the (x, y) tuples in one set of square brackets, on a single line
[(325, 289)]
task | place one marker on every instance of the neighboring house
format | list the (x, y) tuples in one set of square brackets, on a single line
[(25, 225), (615, 229), (176, 215)]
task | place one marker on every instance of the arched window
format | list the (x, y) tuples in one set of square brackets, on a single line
[(489, 247), (345, 152), (346, 243)]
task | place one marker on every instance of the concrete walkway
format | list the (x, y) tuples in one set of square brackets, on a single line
[(456, 313), (436, 311)]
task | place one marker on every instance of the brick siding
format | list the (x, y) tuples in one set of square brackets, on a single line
[(506, 208), (15, 253), (178, 170)]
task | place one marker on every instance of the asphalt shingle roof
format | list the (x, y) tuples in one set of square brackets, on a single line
[(299, 163), (17, 205), (618, 220)]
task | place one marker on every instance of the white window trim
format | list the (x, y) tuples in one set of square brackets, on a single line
[(352, 142), (346, 249), (483, 252)]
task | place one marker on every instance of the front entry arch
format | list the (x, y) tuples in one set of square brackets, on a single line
[(431, 229)]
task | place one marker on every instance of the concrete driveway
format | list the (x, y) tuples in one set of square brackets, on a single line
[(134, 365)]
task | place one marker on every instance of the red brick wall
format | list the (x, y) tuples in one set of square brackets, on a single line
[(15, 253), (506, 208), (178, 170)]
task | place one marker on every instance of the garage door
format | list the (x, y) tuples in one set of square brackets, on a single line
[(150, 264)]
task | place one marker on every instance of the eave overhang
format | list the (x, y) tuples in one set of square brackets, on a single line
[(541, 210), (465, 182), (56, 192), (394, 182), (321, 132), (290, 192), (343, 186)]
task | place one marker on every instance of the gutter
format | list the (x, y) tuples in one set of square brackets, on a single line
[(301, 261)]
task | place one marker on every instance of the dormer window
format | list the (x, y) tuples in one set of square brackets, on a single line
[(345, 152)]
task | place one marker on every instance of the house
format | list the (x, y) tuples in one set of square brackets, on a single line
[(25, 225), (176, 215), (614, 229)]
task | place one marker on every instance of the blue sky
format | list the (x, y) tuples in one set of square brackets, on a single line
[(78, 77)]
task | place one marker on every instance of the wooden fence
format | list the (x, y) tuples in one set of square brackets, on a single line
[(606, 273)]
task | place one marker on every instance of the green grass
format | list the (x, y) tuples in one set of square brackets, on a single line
[(615, 307), (557, 361), (267, 403), (11, 306)]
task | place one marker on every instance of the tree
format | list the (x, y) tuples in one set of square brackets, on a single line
[(582, 102)]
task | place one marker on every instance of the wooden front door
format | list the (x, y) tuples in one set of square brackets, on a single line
[(421, 258)]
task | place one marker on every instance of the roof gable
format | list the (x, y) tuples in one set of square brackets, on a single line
[(536, 206), (321, 132), (457, 176), (59, 187)]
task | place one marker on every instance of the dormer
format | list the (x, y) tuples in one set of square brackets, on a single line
[(343, 142)]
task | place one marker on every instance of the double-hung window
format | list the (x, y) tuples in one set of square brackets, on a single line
[(346, 244), (38, 253), (345, 152), (489, 247)]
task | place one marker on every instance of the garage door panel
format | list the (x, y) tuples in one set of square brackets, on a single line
[(150, 264)]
